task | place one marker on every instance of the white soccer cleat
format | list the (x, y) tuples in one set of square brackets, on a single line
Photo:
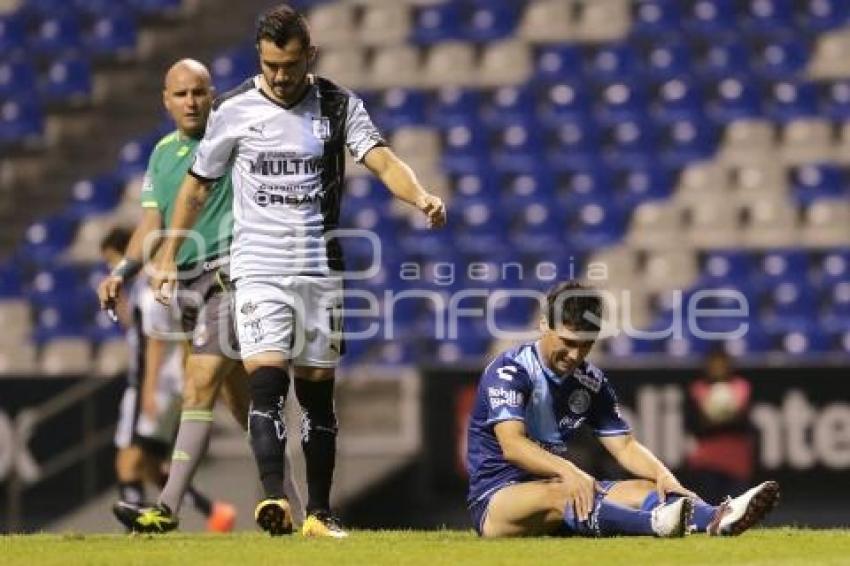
[(734, 516), (672, 519)]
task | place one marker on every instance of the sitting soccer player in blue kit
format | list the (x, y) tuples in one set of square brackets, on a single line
[(530, 402)]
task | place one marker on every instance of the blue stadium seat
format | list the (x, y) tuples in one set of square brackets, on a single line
[(365, 191), (477, 185), (780, 58), (666, 59), (612, 62), (17, 78), (833, 267), (68, 82), (11, 281), (478, 227), (536, 227), (837, 300), (12, 34), (490, 20), (113, 35), (231, 68), (454, 106), (400, 107), (811, 341), (688, 139), (835, 100), (687, 346), (588, 183), (133, 159), (641, 182), (46, 239), (464, 149), (789, 305), (579, 184), (823, 15), (437, 23), (595, 225), (21, 123), (558, 62), (755, 341), (776, 266), (563, 100), (816, 181), (572, 142), (630, 141), (521, 189), (517, 147), (788, 100), (507, 105), (654, 17), (710, 17), (50, 284), (94, 196), (620, 101), (56, 35), (156, 8), (725, 268), (469, 347), (767, 15), (734, 98), (677, 98), (721, 58)]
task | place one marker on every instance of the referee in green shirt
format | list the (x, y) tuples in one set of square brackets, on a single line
[(204, 297)]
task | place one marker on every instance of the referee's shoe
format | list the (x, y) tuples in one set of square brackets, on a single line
[(150, 520)]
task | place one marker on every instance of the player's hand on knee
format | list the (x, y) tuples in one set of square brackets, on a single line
[(666, 483), (582, 489)]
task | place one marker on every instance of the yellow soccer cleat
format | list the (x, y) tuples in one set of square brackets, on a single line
[(322, 524), (274, 516)]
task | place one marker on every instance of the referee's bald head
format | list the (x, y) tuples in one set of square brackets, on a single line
[(187, 95)]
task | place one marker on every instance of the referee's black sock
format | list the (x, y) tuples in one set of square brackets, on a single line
[(269, 386), (318, 439)]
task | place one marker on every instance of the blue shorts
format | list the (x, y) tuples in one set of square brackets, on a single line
[(478, 509)]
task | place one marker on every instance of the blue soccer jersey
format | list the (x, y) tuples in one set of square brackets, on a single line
[(518, 386)]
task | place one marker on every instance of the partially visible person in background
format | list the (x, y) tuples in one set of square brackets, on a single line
[(150, 407), (722, 460)]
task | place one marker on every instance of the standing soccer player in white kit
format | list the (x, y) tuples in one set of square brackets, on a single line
[(284, 133)]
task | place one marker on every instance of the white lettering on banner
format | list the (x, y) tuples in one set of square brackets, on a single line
[(793, 433), (500, 397), (802, 437), (14, 451)]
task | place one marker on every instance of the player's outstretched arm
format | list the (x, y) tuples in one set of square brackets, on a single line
[(141, 247), (402, 182), (526, 455), (638, 460), (190, 201)]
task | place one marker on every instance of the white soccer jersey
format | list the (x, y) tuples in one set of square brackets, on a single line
[(287, 170)]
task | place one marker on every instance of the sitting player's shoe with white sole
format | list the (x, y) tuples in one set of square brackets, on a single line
[(672, 519), (322, 524), (274, 516), (736, 515)]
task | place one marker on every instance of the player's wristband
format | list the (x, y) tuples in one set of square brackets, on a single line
[(126, 268)]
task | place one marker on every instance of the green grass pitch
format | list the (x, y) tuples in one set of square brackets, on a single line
[(768, 547)]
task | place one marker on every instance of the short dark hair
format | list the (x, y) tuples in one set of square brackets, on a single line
[(117, 239), (574, 305), (281, 24)]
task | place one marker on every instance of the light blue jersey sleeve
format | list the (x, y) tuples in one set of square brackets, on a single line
[(507, 388)]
